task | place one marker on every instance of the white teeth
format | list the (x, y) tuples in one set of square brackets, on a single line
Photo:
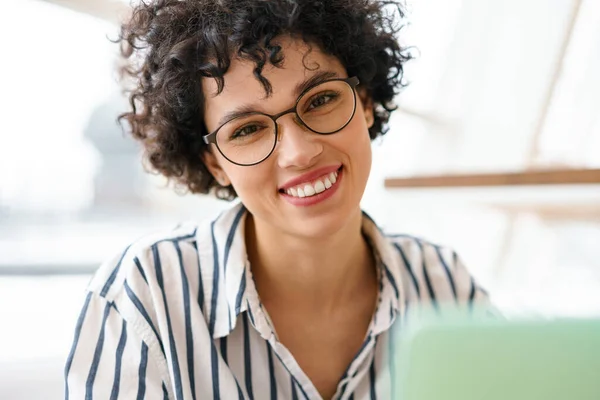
[(309, 190), (319, 187)]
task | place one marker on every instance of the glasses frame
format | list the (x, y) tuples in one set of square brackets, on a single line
[(212, 137)]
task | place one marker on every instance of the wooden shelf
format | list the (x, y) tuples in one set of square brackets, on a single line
[(585, 212), (535, 177)]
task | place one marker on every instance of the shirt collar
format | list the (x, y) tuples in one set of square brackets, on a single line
[(222, 259), (229, 288), (392, 300)]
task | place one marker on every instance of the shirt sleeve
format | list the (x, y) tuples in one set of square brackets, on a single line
[(470, 292), (468, 289), (108, 360)]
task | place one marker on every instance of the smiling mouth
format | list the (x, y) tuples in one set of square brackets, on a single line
[(313, 188)]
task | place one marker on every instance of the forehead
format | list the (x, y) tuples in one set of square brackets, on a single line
[(242, 88)]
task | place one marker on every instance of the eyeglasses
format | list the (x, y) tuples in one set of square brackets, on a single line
[(325, 108)]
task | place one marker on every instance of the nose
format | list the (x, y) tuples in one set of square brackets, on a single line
[(297, 146)]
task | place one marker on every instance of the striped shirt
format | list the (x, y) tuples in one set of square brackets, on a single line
[(177, 316)]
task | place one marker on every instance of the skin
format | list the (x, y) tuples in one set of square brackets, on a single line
[(309, 263)]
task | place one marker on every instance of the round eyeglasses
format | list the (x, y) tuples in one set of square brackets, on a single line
[(250, 138)]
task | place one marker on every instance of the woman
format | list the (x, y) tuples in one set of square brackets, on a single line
[(292, 292)]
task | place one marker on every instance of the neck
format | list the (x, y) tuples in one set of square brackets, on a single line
[(317, 273)]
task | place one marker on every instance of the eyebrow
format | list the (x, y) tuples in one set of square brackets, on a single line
[(300, 88)]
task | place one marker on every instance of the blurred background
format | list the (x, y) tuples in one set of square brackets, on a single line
[(495, 151)]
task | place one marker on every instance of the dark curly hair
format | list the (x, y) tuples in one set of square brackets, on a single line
[(168, 45)]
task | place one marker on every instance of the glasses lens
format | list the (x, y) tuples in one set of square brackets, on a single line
[(327, 107), (247, 140)]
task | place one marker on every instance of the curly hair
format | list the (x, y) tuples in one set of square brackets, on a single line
[(169, 45)]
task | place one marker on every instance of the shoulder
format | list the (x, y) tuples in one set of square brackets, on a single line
[(417, 250), (434, 272), (146, 261), (157, 271)]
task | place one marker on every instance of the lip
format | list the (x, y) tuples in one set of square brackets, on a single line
[(317, 198), (310, 176)]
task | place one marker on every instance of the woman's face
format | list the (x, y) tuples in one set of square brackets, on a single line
[(272, 189)]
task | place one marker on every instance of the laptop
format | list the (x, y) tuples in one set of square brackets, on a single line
[(463, 357)]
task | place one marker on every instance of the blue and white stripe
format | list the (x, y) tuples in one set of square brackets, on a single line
[(177, 316)]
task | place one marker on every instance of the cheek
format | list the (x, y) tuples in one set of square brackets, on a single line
[(246, 180), (359, 149), (358, 137)]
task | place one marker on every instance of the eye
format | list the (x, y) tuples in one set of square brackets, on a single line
[(322, 99), (245, 130)]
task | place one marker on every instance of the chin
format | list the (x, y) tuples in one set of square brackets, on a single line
[(323, 226)]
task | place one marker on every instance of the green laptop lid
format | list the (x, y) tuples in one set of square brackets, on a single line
[(472, 358)]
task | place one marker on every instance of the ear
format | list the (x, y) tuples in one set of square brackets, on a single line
[(367, 104), (213, 165)]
